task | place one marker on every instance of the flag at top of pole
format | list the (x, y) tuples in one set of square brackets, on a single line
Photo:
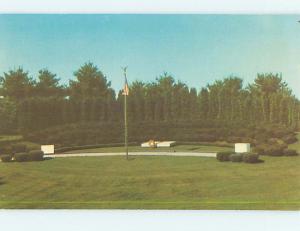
[(125, 89)]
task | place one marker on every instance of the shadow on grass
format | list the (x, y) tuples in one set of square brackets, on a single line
[(131, 158), (48, 158)]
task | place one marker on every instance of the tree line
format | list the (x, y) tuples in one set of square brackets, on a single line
[(29, 104)]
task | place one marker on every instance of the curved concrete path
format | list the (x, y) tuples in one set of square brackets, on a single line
[(135, 154)]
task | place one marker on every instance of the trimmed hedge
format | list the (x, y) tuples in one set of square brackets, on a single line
[(271, 149), (224, 156), (6, 150), (290, 152), (250, 157), (36, 155), (21, 157), (290, 138), (238, 157), (19, 148), (5, 158), (87, 133)]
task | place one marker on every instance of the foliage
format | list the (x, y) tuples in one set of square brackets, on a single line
[(224, 156), (21, 157), (290, 138), (112, 132), (16, 84), (36, 155), (290, 152), (250, 157), (163, 108), (6, 149), (237, 157), (19, 148), (270, 149), (5, 158)]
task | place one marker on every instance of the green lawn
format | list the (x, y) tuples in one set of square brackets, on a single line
[(178, 148), (151, 182)]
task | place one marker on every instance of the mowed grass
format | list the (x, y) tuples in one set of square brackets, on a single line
[(151, 182), (177, 148)]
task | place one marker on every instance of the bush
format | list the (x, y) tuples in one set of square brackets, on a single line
[(250, 158), (36, 155), (6, 150), (5, 158), (270, 149), (19, 148), (224, 156), (21, 157), (236, 157), (290, 152), (289, 139)]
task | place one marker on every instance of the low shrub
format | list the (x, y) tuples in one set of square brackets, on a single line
[(6, 150), (5, 158), (236, 139), (238, 157), (36, 155), (224, 156), (19, 148), (289, 139), (207, 137), (250, 157), (290, 152), (21, 157), (270, 149)]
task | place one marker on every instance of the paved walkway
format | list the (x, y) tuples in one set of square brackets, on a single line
[(135, 154)]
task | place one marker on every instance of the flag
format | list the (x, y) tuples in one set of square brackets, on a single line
[(125, 89)]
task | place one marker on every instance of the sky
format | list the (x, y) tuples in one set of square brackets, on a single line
[(195, 49)]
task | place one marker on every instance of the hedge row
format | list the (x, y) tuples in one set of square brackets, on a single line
[(275, 150), (34, 155), (112, 132), (238, 157)]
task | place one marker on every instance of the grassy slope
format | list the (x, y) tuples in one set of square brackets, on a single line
[(151, 183), (178, 148)]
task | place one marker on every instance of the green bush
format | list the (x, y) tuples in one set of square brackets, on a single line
[(238, 157), (290, 152), (289, 139), (224, 156), (19, 148), (36, 155), (250, 157), (21, 157), (5, 158), (270, 149), (6, 150)]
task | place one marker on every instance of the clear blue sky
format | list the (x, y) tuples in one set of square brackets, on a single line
[(196, 49)]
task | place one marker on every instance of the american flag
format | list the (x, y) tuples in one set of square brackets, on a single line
[(125, 89)]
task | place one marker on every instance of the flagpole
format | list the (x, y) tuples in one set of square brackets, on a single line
[(125, 116)]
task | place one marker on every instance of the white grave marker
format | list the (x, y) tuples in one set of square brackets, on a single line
[(242, 147), (48, 149)]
